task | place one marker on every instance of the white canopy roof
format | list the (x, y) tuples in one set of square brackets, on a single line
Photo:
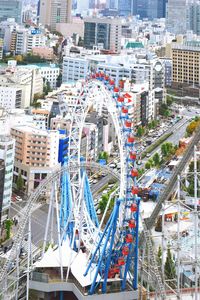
[(51, 258), (78, 268), (77, 261)]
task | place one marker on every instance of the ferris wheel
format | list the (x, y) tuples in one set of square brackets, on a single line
[(110, 250)]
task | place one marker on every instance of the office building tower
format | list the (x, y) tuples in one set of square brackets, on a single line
[(176, 19), (125, 8), (156, 9), (55, 11), (104, 33), (112, 4), (11, 9), (194, 17), (140, 8), (186, 63)]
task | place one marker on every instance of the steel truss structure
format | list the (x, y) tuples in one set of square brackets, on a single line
[(112, 251)]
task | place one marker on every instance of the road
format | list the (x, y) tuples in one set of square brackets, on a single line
[(178, 132)]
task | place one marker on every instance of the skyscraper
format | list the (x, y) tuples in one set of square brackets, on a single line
[(194, 17), (55, 11), (11, 9), (176, 18), (156, 9), (125, 8), (111, 4)]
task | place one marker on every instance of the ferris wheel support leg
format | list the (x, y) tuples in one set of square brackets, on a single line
[(113, 220), (114, 227), (98, 246), (135, 279), (81, 209), (17, 275), (48, 221), (28, 260), (58, 231)]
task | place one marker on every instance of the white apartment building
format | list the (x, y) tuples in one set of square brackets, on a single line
[(50, 74), (28, 76), (10, 97), (35, 40), (7, 152), (26, 39), (36, 154), (14, 96), (74, 68)]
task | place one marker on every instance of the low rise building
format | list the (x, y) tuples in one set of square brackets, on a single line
[(43, 52), (74, 68)]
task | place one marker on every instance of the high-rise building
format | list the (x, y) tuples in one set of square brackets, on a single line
[(150, 9), (140, 8), (186, 63), (194, 17), (156, 9), (112, 4), (55, 11), (11, 9), (125, 8), (2, 176), (7, 150), (104, 33), (176, 18), (36, 154)]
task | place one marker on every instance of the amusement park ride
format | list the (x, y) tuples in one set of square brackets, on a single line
[(101, 257)]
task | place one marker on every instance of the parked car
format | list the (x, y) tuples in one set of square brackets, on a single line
[(18, 198)]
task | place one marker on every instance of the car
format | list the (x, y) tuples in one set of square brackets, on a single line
[(98, 212), (95, 181), (148, 155), (18, 198), (112, 166)]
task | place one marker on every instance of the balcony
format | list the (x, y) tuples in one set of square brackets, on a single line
[(50, 282)]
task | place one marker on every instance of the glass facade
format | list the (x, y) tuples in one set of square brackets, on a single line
[(125, 7), (11, 9)]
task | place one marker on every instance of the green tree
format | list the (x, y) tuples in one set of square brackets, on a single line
[(154, 123), (164, 150), (19, 182), (47, 88), (170, 270), (103, 202), (150, 126), (103, 155), (159, 256), (140, 131), (59, 80), (192, 127), (8, 226), (170, 100), (38, 96), (156, 159), (147, 165), (36, 104), (151, 162)]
